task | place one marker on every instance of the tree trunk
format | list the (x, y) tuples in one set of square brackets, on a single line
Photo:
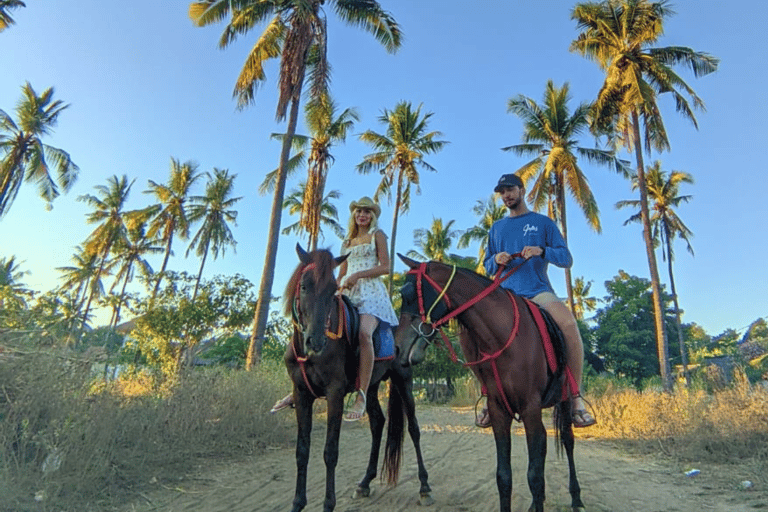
[(122, 295), (661, 335), (678, 323), (268, 274), (165, 264), (200, 274), (398, 199), (564, 227)]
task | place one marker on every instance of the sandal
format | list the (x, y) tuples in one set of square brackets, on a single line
[(582, 418), (357, 411), (283, 403), (483, 420)]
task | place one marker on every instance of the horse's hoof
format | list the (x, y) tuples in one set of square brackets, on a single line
[(426, 499), (579, 509), (361, 492)]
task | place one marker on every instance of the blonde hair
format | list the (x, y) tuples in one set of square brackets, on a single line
[(352, 225)]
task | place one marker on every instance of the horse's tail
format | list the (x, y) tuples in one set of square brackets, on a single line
[(393, 449), (561, 421)]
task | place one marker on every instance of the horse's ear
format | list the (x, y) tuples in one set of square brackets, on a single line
[(408, 261), (303, 255), (340, 259)]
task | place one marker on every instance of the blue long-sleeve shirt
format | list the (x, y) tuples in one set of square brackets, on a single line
[(511, 234)]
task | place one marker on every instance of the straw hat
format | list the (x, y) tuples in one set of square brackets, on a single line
[(365, 202)]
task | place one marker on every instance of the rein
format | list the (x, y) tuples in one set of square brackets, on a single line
[(298, 327), (501, 275)]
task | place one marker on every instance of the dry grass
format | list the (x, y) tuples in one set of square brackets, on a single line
[(70, 445), (80, 445), (729, 425)]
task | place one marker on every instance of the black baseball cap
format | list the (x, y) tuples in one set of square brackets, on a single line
[(508, 180)]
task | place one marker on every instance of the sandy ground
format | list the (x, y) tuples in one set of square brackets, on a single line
[(461, 463)]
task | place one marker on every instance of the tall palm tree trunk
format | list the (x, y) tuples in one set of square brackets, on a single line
[(678, 323), (268, 274), (398, 200), (661, 335), (162, 269), (200, 273), (564, 226), (122, 297)]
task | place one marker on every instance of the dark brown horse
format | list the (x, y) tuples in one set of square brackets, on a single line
[(322, 361), (502, 345)]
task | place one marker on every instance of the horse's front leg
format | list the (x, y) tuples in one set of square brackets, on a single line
[(502, 424), (335, 398), (304, 420), (536, 437), (376, 420)]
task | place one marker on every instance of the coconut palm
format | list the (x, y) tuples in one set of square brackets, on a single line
[(582, 301), (296, 33), (5, 17), (550, 135), (110, 216), (169, 217), (326, 128), (329, 215), (77, 277), (663, 192), (24, 156), (11, 287), (397, 155), (215, 210), (618, 35), (130, 251), (435, 242), (489, 212)]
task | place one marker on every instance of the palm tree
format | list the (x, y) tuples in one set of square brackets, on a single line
[(169, 216), (215, 210), (489, 212), (5, 18), (77, 277), (24, 156), (618, 35), (108, 212), (326, 128), (663, 192), (297, 34), (130, 251), (434, 242), (582, 301), (550, 134), (329, 215), (11, 286), (397, 155)]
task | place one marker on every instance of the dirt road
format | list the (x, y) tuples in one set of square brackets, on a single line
[(461, 463)]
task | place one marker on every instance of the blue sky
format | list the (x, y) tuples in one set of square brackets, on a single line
[(145, 85)]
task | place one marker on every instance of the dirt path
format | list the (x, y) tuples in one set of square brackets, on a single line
[(461, 463)]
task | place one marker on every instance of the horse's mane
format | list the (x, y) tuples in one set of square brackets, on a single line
[(480, 279), (322, 273)]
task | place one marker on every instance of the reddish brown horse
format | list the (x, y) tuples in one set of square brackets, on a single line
[(503, 346), (322, 361)]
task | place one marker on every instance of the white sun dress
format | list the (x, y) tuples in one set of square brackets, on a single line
[(368, 295)]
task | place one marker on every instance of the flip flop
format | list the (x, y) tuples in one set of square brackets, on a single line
[(483, 420), (281, 404), (356, 413), (582, 418)]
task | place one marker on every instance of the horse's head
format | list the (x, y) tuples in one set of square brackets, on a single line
[(419, 299), (310, 292)]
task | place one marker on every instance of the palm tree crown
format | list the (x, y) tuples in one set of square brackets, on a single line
[(397, 156), (169, 215), (215, 210), (5, 18), (24, 156), (489, 212)]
